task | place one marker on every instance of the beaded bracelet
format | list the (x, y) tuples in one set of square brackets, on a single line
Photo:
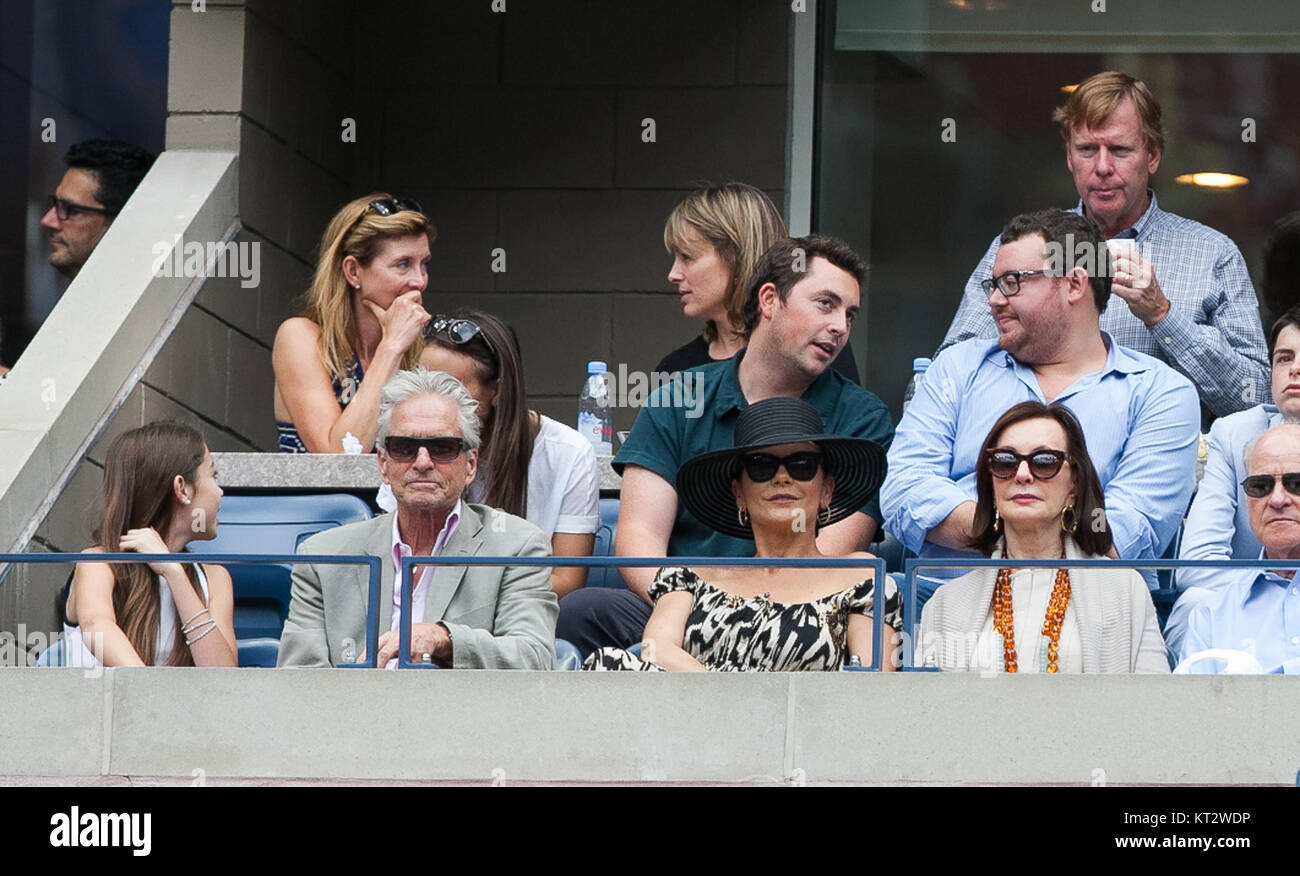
[(211, 625)]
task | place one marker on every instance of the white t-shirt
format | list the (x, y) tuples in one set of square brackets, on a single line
[(563, 483)]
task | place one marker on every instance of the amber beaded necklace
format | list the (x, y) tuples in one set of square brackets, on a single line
[(1004, 623)]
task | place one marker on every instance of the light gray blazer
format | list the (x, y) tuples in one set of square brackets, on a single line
[(499, 618), (1117, 620)]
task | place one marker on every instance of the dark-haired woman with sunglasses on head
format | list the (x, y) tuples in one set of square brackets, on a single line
[(528, 465), (363, 322), (1039, 498), (783, 479)]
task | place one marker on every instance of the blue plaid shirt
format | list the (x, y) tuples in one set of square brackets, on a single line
[(1211, 334)]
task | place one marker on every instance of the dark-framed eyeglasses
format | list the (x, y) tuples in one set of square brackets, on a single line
[(458, 331), (65, 210), (1009, 283), (441, 448), (389, 206), (762, 467), (1043, 464), (1259, 486)]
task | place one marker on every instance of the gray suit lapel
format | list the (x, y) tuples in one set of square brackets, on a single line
[(464, 542), (379, 544)]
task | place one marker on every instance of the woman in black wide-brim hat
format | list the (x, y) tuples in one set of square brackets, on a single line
[(783, 480)]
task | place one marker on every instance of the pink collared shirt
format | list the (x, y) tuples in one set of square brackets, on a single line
[(420, 592)]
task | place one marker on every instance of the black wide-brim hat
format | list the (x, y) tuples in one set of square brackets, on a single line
[(704, 481)]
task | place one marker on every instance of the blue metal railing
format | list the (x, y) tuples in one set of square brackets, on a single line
[(404, 643), (912, 619), (373, 563)]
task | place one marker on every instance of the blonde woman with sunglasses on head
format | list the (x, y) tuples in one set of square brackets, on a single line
[(363, 322), (1039, 498)]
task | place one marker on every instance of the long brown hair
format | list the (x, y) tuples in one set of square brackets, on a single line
[(360, 232), (507, 442), (1093, 539), (138, 475)]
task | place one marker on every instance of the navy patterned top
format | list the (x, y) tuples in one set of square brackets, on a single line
[(344, 390)]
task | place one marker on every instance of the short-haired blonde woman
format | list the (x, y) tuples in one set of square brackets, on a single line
[(363, 322), (716, 237)]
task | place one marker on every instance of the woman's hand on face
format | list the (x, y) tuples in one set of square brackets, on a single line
[(403, 322), (148, 541)]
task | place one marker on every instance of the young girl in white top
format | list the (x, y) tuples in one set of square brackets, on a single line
[(160, 493)]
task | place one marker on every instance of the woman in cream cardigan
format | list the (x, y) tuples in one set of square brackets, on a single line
[(1039, 498)]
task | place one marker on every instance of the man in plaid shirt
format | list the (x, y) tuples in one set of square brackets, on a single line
[(1189, 296)]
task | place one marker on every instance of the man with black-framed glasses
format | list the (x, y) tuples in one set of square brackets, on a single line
[(101, 176), (474, 617), (1257, 611), (1045, 293)]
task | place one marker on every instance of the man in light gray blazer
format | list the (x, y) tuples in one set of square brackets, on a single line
[(482, 617)]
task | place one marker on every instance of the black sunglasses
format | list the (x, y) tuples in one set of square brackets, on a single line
[(458, 331), (762, 467), (65, 209), (1043, 464), (441, 448), (1259, 486), (389, 206)]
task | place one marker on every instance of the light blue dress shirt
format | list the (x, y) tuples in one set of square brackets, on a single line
[(1218, 525), (1257, 612), (1212, 332), (1140, 419)]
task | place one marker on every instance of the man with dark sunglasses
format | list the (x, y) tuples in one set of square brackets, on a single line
[(1141, 418), (803, 297), (480, 617), (1258, 610), (101, 176), (1218, 524)]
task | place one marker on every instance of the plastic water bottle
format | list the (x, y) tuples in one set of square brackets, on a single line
[(919, 366), (595, 416)]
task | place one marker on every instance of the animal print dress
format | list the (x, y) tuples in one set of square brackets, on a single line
[(730, 633)]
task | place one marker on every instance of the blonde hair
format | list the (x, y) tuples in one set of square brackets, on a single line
[(741, 222), (1089, 105), (360, 232)]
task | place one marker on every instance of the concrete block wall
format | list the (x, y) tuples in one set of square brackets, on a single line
[(523, 130), (520, 130)]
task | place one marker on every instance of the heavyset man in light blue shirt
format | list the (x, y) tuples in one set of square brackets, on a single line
[(1140, 417), (1258, 611)]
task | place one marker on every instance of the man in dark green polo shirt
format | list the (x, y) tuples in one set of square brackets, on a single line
[(803, 297)]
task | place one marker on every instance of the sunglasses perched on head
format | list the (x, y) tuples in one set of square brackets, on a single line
[(762, 467), (1259, 486), (389, 206), (441, 448), (458, 331), (1043, 464)]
